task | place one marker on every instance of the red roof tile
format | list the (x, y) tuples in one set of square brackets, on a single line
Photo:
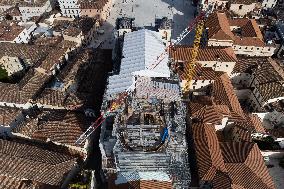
[(224, 94), (209, 157), (184, 53), (34, 162), (245, 165), (219, 28)]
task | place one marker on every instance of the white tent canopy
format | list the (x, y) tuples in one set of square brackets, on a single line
[(140, 50)]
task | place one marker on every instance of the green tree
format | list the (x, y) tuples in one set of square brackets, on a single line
[(3, 73)]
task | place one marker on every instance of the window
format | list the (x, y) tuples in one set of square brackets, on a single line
[(227, 66), (240, 7)]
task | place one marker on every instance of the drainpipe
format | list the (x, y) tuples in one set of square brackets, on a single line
[(93, 181)]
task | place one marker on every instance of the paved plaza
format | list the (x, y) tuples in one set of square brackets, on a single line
[(145, 12)]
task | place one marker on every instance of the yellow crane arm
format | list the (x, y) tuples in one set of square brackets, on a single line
[(190, 72)]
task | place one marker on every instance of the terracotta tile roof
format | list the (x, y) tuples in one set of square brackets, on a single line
[(199, 102), (242, 132), (235, 186), (270, 85), (75, 27), (248, 41), (251, 29), (276, 132), (69, 72), (29, 53), (209, 115), (57, 55), (144, 184), (252, 124), (9, 30), (10, 93), (255, 123), (246, 64), (48, 41), (219, 27), (221, 181), (34, 85), (20, 3), (8, 115), (13, 183), (236, 152), (184, 53), (93, 4), (246, 2), (58, 98), (223, 93), (40, 163), (203, 73), (69, 75), (151, 184), (221, 101), (278, 105), (228, 164), (51, 97), (208, 152), (239, 22), (58, 125), (245, 165), (271, 90), (13, 11)]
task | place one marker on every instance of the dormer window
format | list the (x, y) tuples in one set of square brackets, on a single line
[(240, 7)]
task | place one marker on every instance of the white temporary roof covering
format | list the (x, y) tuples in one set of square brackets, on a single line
[(140, 50), (124, 177)]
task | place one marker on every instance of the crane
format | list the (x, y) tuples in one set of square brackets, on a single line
[(192, 62), (197, 23)]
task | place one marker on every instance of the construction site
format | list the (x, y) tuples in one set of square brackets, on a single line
[(144, 94), (143, 120), (145, 140)]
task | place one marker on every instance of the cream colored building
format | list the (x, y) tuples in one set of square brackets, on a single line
[(69, 8), (211, 62), (28, 9), (99, 9)]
